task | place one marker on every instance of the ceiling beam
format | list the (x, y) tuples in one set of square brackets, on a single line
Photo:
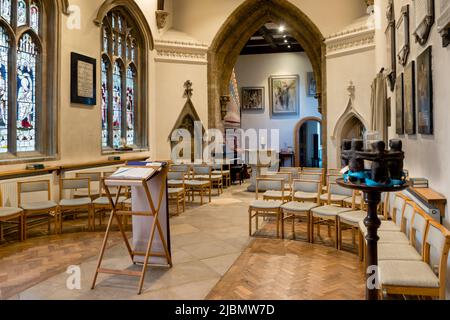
[(266, 34)]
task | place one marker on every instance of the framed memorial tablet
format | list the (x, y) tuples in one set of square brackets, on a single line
[(403, 48), (83, 80)]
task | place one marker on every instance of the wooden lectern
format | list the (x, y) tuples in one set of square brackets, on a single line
[(151, 238)]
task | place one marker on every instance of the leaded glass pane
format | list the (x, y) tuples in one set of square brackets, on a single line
[(105, 40), (117, 105), (131, 80), (27, 56), (105, 103), (6, 10), (34, 16), (119, 46), (21, 13), (4, 49)]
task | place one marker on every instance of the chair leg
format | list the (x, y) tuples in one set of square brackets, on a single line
[(250, 222), (336, 232), (293, 227), (1, 231), (312, 228)]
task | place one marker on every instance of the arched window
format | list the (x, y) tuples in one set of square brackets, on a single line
[(26, 95), (121, 92)]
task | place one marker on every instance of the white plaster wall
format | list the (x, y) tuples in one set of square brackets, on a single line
[(255, 70), (360, 69), (203, 18)]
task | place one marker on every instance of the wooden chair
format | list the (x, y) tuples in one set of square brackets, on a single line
[(294, 171), (298, 209), (11, 215), (203, 187), (311, 177), (223, 170), (266, 208), (336, 194), (95, 181), (177, 190), (330, 178), (47, 208), (427, 278), (204, 173), (306, 190), (70, 206), (272, 190)]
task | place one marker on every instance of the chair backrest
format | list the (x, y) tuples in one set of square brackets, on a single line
[(180, 167), (407, 216), (314, 170), (396, 210), (202, 169), (334, 171), (269, 183), (176, 175), (286, 176), (437, 245), (31, 187), (92, 176), (336, 189), (295, 172), (310, 176), (419, 227), (331, 178), (306, 186), (74, 184)]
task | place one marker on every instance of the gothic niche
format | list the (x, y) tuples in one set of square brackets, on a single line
[(186, 120)]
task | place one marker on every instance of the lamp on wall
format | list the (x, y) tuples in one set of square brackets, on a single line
[(224, 101)]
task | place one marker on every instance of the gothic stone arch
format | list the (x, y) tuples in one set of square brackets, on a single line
[(236, 31)]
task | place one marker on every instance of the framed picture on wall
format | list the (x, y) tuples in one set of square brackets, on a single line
[(399, 106), (425, 92), (391, 45), (409, 97), (253, 99), (424, 13), (83, 80), (311, 85), (284, 95)]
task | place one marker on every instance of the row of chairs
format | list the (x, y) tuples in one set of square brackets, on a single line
[(83, 193), (187, 181), (406, 265)]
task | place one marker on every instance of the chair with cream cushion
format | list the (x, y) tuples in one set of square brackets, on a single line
[(330, 178), (31, 208), (68, 205), (10, 215), (96, 188), (306, 190), (177, 190), (412, 251), (327, 215), (273, 190), (225, 171), (296, 209), (266, 208), (419, 278), (204, 173), (336, 194), (294, 171)]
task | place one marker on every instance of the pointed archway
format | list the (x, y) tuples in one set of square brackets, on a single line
[(235, 32)]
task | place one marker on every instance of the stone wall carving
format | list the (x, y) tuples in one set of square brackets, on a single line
[(181, 51)]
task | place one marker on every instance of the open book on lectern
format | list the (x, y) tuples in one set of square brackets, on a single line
[(137, 172)]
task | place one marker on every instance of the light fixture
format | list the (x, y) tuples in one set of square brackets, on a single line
[(281, 28), (285, 41), (289, 46), (284, 36)]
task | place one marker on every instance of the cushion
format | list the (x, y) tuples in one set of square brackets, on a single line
[(6, 212), (206, 177), (175, 190), (84, 192), (75, 202), (334, 197), (407, 274), (175, 182), (353, 217), (104, 201), (392, 251), (276, 194), (306, 195), (128, 201), (264, 204), (196, 183), (299, 206), (43, 205), (392, 237), (329, 211), (385, 226)]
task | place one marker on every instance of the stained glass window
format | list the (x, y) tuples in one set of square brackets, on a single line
[(21, 13), (131, 79), (27, 55), (34, 16), (119, 109), (4, 66), (6, 10), (117, 105), (105, 102)]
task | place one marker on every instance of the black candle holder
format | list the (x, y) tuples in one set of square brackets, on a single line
[(386, 175)]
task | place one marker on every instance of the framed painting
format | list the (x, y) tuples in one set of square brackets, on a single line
[(253, 99), (425, 92), (399, 106), (311, 85), (284, 95), (83, 80), (410, 101), (403, 36), (391, 45)]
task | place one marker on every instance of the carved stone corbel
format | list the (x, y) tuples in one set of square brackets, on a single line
[(161, 18)]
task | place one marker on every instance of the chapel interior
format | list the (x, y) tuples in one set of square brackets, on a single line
[(224, 150)]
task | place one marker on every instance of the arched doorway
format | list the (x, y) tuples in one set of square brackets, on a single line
[(234, 34), (308, 143)]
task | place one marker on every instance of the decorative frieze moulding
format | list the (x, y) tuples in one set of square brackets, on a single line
[(181, 51), (360, 37)]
